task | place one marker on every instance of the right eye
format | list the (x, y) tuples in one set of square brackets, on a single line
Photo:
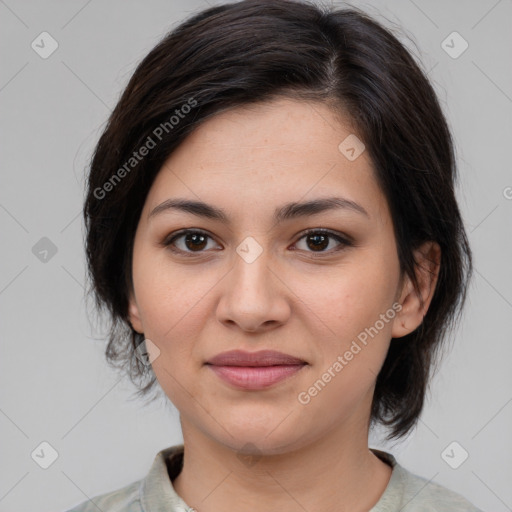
[(188, 241)]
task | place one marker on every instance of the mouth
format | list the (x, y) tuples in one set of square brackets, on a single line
[(255, 370)]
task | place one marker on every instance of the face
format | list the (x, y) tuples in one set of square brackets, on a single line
[(255, 272)]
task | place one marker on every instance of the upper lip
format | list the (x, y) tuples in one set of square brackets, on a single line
[(261, 358)]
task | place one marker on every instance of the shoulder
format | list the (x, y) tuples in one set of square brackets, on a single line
[(153, 492), (125, 499), (409, 492), (420, 494)]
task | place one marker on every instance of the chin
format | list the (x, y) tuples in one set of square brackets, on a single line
[(258, 445), (252, 434)]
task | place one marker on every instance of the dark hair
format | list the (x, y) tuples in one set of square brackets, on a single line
[(253, 51)]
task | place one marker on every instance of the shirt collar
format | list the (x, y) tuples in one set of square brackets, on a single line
[(157, 493)]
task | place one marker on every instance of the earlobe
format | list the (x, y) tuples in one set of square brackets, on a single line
[(134, 315), (415, 302)]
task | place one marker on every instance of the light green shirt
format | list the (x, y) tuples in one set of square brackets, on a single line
[(405, 492)]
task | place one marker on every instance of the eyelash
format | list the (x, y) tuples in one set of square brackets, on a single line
[(343, 240)]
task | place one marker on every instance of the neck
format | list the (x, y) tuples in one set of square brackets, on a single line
[(337, 472)]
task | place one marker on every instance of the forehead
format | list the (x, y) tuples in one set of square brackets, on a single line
[(267, 154)]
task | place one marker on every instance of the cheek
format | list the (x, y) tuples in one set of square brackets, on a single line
[(166, 292), (372, 282), (352, 297), (352, 350), (173, 304), (353, 318)]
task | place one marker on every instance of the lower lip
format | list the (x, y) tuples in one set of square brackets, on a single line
[(255, 377)]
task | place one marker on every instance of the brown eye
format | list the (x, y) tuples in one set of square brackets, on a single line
[(195, 241), (188, 242), (318, 241)]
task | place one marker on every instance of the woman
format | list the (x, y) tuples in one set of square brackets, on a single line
[(272, 226)]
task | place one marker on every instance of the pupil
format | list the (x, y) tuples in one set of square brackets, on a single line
[(319, 241), (194, 238)]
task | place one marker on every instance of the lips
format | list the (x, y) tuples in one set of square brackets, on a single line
[(261, 358), (254, 370)]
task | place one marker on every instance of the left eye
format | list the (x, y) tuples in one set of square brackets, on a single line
[(319, 240)]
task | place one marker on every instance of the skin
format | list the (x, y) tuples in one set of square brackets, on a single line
[(249, 161)]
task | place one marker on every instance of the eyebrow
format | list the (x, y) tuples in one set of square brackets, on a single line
[(285, 212)]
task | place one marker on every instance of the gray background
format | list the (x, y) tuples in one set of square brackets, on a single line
[(55, 384)]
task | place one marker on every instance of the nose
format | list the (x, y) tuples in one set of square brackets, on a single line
[(253, 297)]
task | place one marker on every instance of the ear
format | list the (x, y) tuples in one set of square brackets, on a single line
[(415, 303), (134, 314)]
